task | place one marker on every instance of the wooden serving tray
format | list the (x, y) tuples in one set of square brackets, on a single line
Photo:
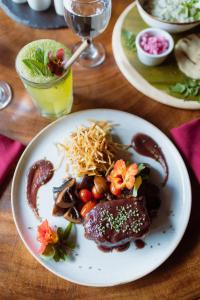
[(154, 82)]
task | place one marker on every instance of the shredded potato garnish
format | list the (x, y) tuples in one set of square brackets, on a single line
[(91, 150)]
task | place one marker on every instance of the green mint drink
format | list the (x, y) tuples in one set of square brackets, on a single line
[(39, 65)]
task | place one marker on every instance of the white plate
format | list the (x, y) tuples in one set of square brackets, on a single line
[(90, 266), (135, 78)]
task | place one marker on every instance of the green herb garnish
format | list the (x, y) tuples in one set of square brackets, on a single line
[(190, 88), (38, 65), (137, 184), (189, 9), (129, 39), (63, 247)]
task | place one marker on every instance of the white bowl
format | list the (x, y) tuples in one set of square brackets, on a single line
[(153, 59), (171, 27), (39, 5)]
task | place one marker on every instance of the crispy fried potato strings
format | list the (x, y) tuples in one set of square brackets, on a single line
[(91, 150)]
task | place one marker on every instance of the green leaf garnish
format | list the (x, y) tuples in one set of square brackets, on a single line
[(141, 167), (39, 65), (67, 231), (137, 184), (39, 55), (129, 39), (49, 252), (63, 247), (190, 88)]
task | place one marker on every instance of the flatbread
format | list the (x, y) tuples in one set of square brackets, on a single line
[(187, 52)]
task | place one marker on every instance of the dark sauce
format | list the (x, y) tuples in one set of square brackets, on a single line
[(39, 174), (145, 145), (117, 248), (139, 244)]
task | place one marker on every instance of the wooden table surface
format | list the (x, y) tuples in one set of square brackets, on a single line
[(21, 276)]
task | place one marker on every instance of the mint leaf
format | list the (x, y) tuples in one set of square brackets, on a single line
[(36, 67), (39, 55)]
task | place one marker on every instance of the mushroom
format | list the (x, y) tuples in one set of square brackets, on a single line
[(100, 184), (58, 211), (73, 215), (86, 182), (65, 196)]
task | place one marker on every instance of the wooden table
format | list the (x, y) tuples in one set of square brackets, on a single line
[(21, 277)]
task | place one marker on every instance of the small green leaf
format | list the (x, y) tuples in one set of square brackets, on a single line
[(129, 39), (39, 55), (178, 88), (67, 231), (49, 252), (71, 245), (60, 233), (138, 182), (36, 67), (141, 167)]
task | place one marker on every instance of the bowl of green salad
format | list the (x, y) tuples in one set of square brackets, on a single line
[(171, 15)]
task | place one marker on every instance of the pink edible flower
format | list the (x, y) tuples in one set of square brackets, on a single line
[(55, 64)]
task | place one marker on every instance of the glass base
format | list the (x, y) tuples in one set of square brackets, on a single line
[(93, 56), (55, 116), (5, 94)]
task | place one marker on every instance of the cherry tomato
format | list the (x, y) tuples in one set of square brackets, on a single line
[(115, 191), (85, 195), (87, 207), (95, 194)]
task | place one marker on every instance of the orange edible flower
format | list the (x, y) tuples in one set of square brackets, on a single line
[(122, 176), (46, 235)]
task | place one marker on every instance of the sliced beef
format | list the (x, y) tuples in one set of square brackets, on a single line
[(114, 223)]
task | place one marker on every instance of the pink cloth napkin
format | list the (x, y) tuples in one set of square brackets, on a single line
[(10, 151), (187, 138)]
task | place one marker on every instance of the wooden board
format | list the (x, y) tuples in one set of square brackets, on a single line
[(154, 82)]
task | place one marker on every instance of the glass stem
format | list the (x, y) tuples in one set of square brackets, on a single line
[(90, 52)]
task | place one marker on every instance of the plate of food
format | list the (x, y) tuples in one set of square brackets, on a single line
[(101, 197), (175, 81)]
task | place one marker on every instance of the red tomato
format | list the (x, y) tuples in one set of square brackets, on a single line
[(115, 191), (85, 195), (96, 195), (87, 207)]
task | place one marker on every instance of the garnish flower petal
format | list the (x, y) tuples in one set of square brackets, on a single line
[(46, 235), (55, 64), (123, 177)]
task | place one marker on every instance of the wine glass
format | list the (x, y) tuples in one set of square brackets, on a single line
[(5, 94), (88, 18)]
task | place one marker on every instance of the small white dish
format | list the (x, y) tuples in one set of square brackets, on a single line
[(172, 27), (59, 7), (39, 5), (153, 59), (89, 265)]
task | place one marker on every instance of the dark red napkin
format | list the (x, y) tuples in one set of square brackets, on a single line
[(10, 152), (187, 138)]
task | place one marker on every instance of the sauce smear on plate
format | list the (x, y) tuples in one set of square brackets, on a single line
[(145, 145), (39, 174)]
